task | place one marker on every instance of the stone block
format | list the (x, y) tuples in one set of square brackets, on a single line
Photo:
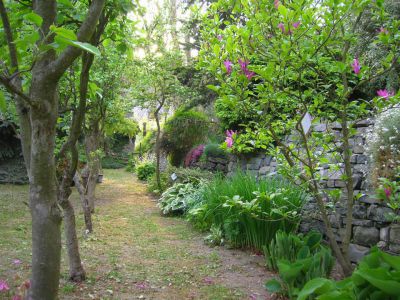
[(358, 149), (320, 127), (359, 211), (362, 159), (335, 222), (360, 222), (378, 213), (395, 233), (364, 123), (384, 234), (264, 170), (339, 183), (395, 248), (365, 236), (357, 252)]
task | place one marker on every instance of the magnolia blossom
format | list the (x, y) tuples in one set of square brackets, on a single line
[(385, 94), (229, 138), (276, 3), (4, 286), (388, 192), (356, 66), (228, 66), (296, 24), (281, 26), (243, 64)]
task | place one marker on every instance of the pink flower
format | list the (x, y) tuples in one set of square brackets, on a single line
[(228, 66), (249, 74), (383, 30), (4, 286), (17, 297), (296, 24), (356, 66), (16, 262), (27, 284), (276, 3), (243, 64), (385, 94), (388, 192), (219, 37), (281, 26), (208, 280), (229, 138)]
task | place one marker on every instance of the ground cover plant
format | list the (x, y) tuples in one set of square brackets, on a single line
[(376, 277), (297, 260)]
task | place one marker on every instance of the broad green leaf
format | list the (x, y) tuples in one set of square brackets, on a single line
[(87, 47), (34, 18), (65, 2), (273, 285), (63, 32), (315, 286), (381, 279)]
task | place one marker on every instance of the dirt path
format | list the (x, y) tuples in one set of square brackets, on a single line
[(135, 253)]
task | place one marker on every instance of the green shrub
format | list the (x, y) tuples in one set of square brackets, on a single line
[(214, 150), (181, 197), (145, 170), (287, 246), (152, 185), (297, 259), (111, 162), (132, 161), (188, 174), (147, 143), (250, 212), (376, 277), (185, 129)]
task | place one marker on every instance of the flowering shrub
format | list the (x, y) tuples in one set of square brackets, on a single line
[(194, 155), (307, 58)]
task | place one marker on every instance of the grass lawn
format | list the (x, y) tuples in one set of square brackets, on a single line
[(134, 253)]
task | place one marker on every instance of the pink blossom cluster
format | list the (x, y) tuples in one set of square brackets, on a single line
[(243, 67), (229, 138)]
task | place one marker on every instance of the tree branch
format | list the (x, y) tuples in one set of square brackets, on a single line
[(85, 32)]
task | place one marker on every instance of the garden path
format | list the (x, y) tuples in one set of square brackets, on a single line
[(134, 252)]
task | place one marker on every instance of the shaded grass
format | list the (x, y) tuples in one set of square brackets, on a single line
[(133, 253)]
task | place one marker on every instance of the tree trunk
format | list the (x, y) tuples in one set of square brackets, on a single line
[(85, 203), (93, 165), (158, 154), (46, 216)]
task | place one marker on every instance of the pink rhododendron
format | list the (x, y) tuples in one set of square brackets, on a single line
[(4, 286), (228, 66), (16, 262), (385, 94), (276, 3), (194, 155), (356, 66)]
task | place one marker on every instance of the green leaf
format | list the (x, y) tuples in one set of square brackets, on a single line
[(63, 32), (87, 47), (273, 285), (315, 286), (3, 103), (65, 2), (34, 18)]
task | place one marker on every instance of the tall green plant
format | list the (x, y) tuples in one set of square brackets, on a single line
[(249, 211)]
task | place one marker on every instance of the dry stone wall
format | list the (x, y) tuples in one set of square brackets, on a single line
[(371, 225)]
